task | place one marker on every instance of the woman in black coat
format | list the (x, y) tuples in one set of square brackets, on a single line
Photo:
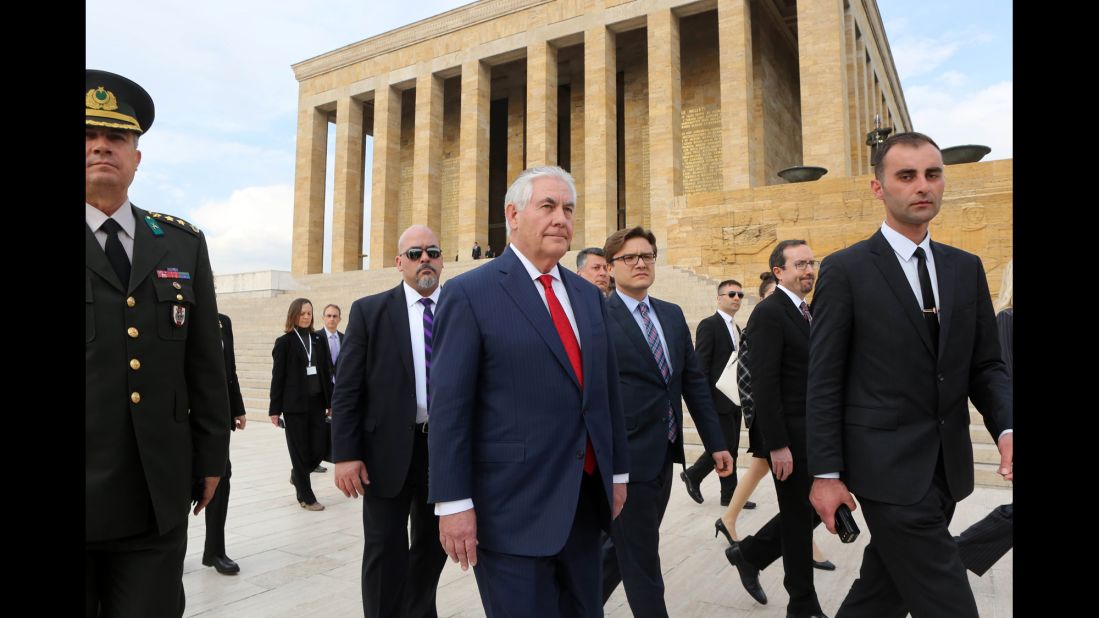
[(301, 392)]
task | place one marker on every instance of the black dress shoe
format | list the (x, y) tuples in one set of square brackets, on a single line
[(749, 575), (320, 468), (693, 489), (725, 501), (816, 615), (824, 565), (749, 505), (223, 564), (719, 526)]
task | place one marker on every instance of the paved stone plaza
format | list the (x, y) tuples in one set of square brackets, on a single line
[(299, 563)]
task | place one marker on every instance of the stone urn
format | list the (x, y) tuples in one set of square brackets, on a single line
[(803, 173), (970, 153)]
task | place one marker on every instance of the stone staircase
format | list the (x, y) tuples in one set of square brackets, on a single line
[(258, 320)]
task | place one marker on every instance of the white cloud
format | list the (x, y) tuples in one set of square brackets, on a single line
[(250, 230), (954, 79), (984, 116), (915, 56)]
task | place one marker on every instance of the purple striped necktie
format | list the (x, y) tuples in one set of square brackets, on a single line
[(429, 325), (653, 340)]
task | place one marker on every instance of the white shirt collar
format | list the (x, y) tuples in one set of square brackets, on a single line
[(728, 318), (632, 303), (902, 245), (412, 297), (330, 334), (793, 297), (124, 216), (531, 269)]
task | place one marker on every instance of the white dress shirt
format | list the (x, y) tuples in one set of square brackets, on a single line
[(731, 325), (124, 216), (416, 329)]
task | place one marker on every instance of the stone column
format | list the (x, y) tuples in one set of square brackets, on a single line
[(307, 246), (741, 166), (541, 104), (665, 105), (384, 201), (517, 137), (600, 135), (473, 159), (427, 206), (347, 202), (821, 58)]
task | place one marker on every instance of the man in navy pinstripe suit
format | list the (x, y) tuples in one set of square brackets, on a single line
[(527, 443)]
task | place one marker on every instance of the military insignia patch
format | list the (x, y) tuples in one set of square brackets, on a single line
[(100, 98), (153, 226), (173, 273), (179, 315)]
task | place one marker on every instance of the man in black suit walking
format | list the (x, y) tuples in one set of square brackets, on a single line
[(379, 432), (904, 333), (657, 370), (779, 362), (214, 552), (716, 338)]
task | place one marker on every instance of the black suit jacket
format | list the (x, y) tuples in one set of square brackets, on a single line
[(714, 347), (154, 393), (779, 363), (289, 390), (374, 404), (236, 401), (645, 396), (882, 404)]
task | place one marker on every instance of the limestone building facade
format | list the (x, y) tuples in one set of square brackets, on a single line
[(671, 114)]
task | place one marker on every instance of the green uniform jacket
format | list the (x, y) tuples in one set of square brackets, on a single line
[(155, 398)]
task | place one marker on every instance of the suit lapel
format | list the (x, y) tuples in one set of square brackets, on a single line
[(621, 314), (519, 287), (147, 250), (945, 276), (885, 260), (795, 315), (96, 259), (398, 318)]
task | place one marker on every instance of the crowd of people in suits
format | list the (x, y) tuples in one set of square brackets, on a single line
[(550, 404)]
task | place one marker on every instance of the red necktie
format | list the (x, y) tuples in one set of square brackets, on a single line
[(572, 349)]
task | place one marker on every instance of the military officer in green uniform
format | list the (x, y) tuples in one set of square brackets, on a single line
[(155, 398)]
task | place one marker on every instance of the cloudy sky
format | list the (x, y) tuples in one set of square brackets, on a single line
[(221, 151)]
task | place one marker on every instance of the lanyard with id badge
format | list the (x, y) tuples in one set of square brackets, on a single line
[(312, 380)]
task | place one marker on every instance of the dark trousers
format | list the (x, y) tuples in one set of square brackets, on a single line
[(912, 564), (633, 556), (306, 437), (216, 512), (704, 465), (398, 580), (565, 585), (136, 576), (986, 541)]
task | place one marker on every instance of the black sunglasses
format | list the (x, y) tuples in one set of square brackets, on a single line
[(735, 294), (415, 253)]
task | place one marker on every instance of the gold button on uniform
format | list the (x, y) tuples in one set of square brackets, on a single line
[(135, 397), (179, 296), (130, 302), (135, 364), (132, 332)]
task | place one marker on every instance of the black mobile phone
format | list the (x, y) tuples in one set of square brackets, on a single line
[(846, 527)]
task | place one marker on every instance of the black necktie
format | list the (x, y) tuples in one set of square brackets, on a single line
[(930, 313), (116, 255)]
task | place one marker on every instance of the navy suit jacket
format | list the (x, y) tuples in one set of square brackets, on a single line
[(881, 403), (508, 420), (645, 395)]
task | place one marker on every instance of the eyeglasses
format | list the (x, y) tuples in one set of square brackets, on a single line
[(631, 258), (801, 265), (415, 253), (733, 294)]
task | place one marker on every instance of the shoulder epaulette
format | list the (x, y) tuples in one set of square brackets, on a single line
[(160, 217)]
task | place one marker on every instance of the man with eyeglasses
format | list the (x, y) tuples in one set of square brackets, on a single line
[(716, 338), (592, 265), (657, 370), (904, 336), (779, 364), (379, 431)]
